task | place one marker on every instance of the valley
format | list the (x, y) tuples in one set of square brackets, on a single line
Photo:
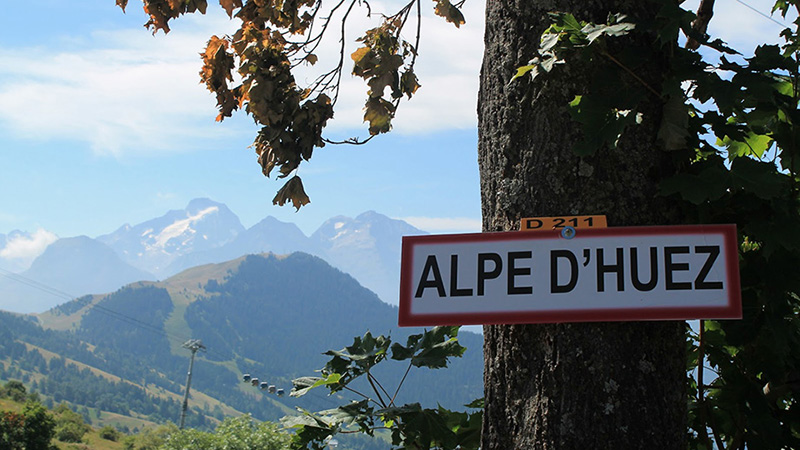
[(119, 355)]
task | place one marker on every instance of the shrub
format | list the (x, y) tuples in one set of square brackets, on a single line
[(70, 426), (70, 432), (129, 443), (14, 390), (109, 433)]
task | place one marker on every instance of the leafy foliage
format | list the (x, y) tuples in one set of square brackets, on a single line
[(240, 433), (109, 433), (252, 314), (411, 425), (153, 438), (70, 426), (32, 429), (14, 390), (249, 322), (731, 124), (254, 70)]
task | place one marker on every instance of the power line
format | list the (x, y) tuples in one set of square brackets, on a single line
[(35, 284), (102, 309), (122, 317), (766, 16)]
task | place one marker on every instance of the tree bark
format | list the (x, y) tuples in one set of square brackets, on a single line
[(583, 385)]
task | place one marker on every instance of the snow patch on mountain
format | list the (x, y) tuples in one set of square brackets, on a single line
[(181, 228), (155, 244), (367, 247)]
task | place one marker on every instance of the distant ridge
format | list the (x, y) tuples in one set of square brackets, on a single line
[(367, 247), (269, 315), (154, 244), (74, 266)]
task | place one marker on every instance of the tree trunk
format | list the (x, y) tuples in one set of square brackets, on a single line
[(583, 385)]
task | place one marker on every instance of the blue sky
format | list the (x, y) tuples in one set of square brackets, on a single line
[(102, 123)]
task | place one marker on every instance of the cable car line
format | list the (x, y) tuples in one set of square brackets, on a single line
[(102, 309), (115, 314)]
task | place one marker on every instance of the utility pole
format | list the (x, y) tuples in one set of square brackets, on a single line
[(194, 345)]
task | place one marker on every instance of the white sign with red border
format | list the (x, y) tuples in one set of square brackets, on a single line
[(597, 274)]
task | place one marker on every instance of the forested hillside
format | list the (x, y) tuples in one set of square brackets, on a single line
[(269, 316), (82, 377)]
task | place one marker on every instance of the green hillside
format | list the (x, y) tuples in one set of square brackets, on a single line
[(120, 354)]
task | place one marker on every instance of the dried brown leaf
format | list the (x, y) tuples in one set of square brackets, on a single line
[(447, 10), (230, 5), (201, 5), (379, 113), (409, 83), (292, 190), (160, 11)]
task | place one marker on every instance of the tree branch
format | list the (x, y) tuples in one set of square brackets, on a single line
[(374, 388), (408, 369), (633, 74), (700, 25)]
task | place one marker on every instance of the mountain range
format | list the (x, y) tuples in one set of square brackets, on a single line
[(367, 247), (270, 316)]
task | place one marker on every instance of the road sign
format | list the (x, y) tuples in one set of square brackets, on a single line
[(595, 274), (551, 223)]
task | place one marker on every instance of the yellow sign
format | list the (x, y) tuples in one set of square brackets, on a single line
[(552, 223)]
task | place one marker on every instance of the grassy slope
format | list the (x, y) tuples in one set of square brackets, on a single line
[(183, 288)]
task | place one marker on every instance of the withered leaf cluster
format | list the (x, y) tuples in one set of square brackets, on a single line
[(253, 70)]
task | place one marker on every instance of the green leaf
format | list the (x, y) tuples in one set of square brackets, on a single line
[(595, 31), (548, 62), (301, 386), (355, 360), (353, 413), (309, 429), (549, 40), (768, 57), (603, 125), (674, 129), (305, 418), (477, 403), (431, 349), (710, 180), (566, 21), (466, 427), (760, 178), (521, 71), (421, 428)]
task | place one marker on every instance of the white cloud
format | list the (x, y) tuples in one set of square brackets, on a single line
[(445, 224), (448, 68), (128, 92), (22, 249)]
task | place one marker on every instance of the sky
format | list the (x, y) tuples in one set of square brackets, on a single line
[(103, 123)]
